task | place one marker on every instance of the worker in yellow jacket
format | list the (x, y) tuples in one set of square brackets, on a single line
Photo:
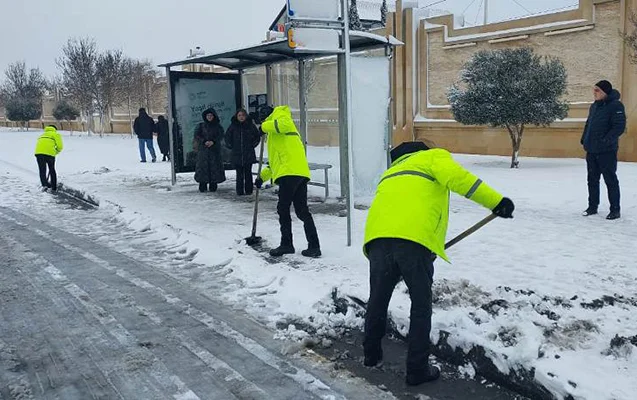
[(290, 171), (405, 231), (48, 146)]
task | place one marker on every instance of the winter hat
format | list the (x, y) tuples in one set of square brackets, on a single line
[(407, 148), (605, 86), (264, 112)]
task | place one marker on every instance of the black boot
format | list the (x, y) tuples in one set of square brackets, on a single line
[(613, 215), (282, 250), (589, 211), (429, 374), (163, 158), (203, 187), (374, 358), (312, 252), (213, 187)]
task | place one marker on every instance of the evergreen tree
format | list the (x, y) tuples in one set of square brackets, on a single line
[(510, 88), (64, 111), (23, 110), (354, 20)]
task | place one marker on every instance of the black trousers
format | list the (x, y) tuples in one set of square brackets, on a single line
[(603, 164), (390, 260), (245, 183), (45, 161), (293, 190)]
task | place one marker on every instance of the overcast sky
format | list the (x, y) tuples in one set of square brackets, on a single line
[(162, 30)]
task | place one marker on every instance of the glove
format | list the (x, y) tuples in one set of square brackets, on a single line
[(505, 208), (258, 183)]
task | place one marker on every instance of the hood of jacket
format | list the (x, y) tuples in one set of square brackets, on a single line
[(50, 129), (613, 96), (208, 111), (280, 112)]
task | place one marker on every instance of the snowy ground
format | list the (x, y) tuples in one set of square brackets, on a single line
[(549, 290)]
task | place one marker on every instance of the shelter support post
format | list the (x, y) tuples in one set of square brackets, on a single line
[(244, 89), (345, 88), (389, 52), (269, 84), (171, 134), (303, 85)]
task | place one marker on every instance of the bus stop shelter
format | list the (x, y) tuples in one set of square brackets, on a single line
[(279, 51)]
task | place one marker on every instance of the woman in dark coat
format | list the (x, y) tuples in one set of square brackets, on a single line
[(208, 137), (242, 137), (163, 139)]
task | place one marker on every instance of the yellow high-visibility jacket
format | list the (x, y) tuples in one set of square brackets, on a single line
[(49, 143), (412, 199), (286, 153)]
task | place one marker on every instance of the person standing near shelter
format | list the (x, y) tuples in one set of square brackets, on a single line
[(405, 230), (163, 137), (48, 146), (209, 171), (242, 137), (144, 126), (605, 124), (289, 169)]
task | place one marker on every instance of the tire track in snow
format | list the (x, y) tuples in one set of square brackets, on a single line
[(307, 381)]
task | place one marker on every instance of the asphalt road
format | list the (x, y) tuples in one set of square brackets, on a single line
[(80, 319)]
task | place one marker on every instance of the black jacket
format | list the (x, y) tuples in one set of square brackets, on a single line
[(606, 123), (163, 139), (144, 126), (209, 167), (242, 138)]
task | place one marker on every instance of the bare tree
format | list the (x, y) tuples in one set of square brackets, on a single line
[(140, 85), (22, 92), (108, 92), (311, 77), (78, 65), (24, 84)]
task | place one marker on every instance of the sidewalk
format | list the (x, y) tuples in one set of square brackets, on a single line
[(547, 291)]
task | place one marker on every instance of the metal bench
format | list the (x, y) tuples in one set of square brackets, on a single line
[(315, 167)]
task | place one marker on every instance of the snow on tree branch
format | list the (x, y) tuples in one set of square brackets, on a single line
[(510, 88)]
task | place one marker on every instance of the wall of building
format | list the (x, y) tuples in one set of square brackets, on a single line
[(586, 39)]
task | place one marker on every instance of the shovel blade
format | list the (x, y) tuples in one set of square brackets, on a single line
[(254, 240)]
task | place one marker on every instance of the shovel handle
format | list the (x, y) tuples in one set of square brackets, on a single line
[(256, 196), (470, 231)]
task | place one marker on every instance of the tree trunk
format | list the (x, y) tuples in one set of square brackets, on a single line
[(515, 132), (130, 116)]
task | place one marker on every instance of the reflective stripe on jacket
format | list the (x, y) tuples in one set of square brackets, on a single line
[(286, 153), (412, 199), (49, 143)]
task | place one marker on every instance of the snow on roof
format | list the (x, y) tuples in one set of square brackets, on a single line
[(476, 36), (370, 9)]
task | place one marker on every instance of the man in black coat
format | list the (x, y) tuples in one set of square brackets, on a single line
[(242, 137), (144, 126), (606, 123)]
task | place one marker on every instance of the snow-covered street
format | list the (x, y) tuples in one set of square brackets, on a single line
[(81, 320), (550, 293)]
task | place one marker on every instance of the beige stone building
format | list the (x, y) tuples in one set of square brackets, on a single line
[(587, 40)]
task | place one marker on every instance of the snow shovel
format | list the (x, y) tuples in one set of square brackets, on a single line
[(255, 240), (450, 243), (470, 231)]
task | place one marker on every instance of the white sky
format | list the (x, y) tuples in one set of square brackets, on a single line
[(35, 31)]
